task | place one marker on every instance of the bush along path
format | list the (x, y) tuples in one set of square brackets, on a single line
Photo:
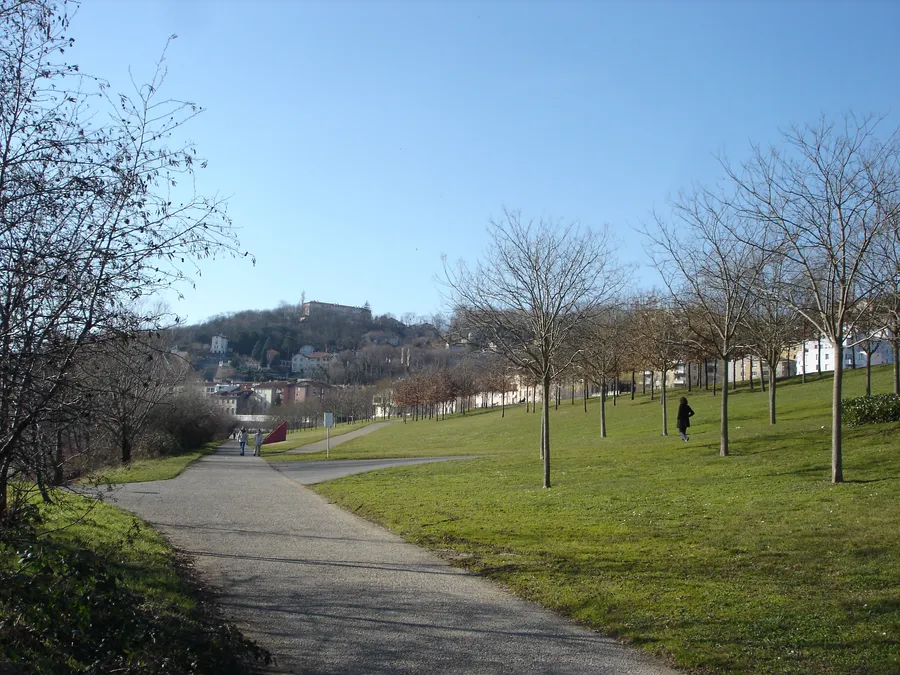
[(328, 592)]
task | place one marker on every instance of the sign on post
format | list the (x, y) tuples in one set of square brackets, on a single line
[(329, 422)]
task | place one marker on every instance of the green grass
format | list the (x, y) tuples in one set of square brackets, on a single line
[(297, 439), (139, 471), (89, 588), (752, 563)]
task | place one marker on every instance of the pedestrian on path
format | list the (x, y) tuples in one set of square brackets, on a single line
[(257, 443), (243, 438), (684, 418)]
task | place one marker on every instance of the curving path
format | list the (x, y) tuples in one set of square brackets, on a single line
[(318, 446), (328, 592)]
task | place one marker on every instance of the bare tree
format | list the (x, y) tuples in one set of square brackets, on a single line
[(95, 212), (770, 325), (603, 341), (536, 283), (822, 199), (657, 341)]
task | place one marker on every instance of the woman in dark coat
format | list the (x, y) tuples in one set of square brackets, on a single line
[(684, 418)]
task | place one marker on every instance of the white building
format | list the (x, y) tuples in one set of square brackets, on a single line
[(219, 345), (821, 352)]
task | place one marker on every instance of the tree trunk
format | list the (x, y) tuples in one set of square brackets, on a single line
[(723, 428), (896, 346), (634, 384), (733, 375), (652, 386), (603, 410), (868, 373), (837, 471), (819, 357), (546, 431), (772, 391), (751, 373), (126, 449), (803, 376), (502, 404), (59, 460), (689, 375), (643, 382), (706, 373), (716, 375), (584, 394), (4, 489), (662, 400), (573, 391)]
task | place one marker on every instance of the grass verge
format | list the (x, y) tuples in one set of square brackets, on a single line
[(139, 471), (86, 587), (752, 563)]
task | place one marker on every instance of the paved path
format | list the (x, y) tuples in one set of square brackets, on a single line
[(328, 592), (318, 446)]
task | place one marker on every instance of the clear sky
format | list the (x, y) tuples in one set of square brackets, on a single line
[(360, 141)]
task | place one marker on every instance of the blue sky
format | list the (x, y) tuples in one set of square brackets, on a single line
[(360, 141)]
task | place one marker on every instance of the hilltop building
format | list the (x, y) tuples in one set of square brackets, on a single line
[(308, 309)]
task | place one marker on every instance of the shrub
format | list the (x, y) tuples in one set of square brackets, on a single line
[(871, 409)]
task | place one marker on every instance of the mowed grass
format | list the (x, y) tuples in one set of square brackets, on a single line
[(139, 471), (297, 439), (752, 563)]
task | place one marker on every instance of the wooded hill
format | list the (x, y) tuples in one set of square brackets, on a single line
[(251, 333)]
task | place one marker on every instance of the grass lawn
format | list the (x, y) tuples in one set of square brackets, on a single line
[(752, 563), (141, 470), (297, 439), (91, 588)]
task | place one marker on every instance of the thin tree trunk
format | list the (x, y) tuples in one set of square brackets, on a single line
[(837, 470), (896, 346), (716, 375), (546, 432), (868, 374), (706, 373), (803, 375), (584, 394), (633, 384), (644, 382), (819, 357), (723, 428), (689, 375), (733, 375), (751, 373), (59, 459), (573, 391), (772, 393), (603, 409), (662, 400)]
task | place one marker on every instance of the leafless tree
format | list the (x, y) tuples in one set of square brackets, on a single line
[(770, 326), (703, 257), (603, 341), (96, 211), (536, 283), (821, 199), (657, 340)]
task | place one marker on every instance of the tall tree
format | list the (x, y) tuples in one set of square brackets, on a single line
[(710, 270), (524, 299), (822, 198), (96, 212)]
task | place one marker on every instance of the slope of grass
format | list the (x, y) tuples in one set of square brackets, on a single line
[(87, 587), (161, 468), (747, 564)]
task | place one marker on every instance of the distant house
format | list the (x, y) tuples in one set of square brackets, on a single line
[(239, 402), (275, 393), (219, 345), (305, 390), (313, 364)]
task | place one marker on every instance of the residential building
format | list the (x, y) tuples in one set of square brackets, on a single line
[(816, 354), (219, 345)]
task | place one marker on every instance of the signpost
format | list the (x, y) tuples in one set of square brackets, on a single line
[(329, 422)]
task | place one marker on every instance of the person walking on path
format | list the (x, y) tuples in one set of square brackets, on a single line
[(684, 418), (243, 439), (257, 443)]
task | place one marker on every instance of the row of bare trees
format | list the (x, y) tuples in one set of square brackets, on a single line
[(97, 211), (800, 241)]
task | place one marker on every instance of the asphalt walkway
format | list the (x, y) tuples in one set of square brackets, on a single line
[(328, 592), (318, 446)]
